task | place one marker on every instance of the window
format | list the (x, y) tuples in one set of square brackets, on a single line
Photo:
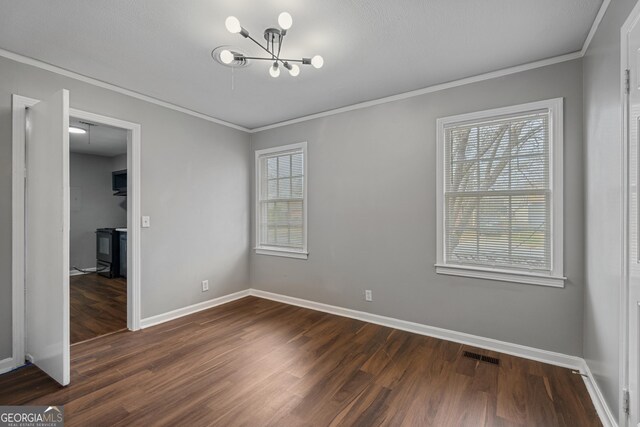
[(499, 193), (281, 203)]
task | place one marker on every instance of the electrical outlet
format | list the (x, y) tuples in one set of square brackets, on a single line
[(205, 285), (368, 296)]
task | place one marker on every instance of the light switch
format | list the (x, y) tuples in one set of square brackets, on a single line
[(146, 222)]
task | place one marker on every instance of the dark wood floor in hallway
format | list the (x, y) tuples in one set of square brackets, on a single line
[(98, 306), (256, 362)]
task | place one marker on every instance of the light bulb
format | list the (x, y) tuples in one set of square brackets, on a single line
[(317, 61), (274, 70), (285, 21), (233, 25), (73, 129), (226, 56), (295, 70)]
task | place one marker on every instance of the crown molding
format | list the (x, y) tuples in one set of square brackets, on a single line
[(452, 84), (594, 26), (429, 89), (90, 80)]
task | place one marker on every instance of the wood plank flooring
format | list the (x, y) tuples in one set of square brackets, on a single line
[(256, 362), (98, 306)]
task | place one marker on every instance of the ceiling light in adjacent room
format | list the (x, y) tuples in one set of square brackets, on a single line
[(73, 129)]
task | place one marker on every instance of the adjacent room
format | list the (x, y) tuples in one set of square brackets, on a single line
[(98, 229), (283, 213)]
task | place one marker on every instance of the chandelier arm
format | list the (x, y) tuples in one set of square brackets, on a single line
[(270, 47), (280, 45), (271, 59), (266, 49), (262, 47), (273, 56)]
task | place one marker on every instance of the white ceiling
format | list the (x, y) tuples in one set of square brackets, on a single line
[(372, 48), (104, 141)]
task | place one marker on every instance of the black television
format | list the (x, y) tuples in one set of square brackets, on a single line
[(119, 182)]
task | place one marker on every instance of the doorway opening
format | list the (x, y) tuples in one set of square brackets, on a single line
[(48, 345), (98, 229)]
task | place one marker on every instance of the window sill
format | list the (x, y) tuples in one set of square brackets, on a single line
[(501, 275), (282, 252)]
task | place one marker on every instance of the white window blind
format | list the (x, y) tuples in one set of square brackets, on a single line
[(281, 219), (497, 192)]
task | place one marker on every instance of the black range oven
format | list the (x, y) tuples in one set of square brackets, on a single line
[(107, 252)]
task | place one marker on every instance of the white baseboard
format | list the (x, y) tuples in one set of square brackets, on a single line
[(550, 357), (558, 359), (544, 356), (606, 416), (6, 365), (74, 272), (185, 311)]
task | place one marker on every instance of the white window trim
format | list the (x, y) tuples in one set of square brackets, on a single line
[(274, 250), (555, 278)]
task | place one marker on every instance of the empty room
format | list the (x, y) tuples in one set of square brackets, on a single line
[(320, 213)]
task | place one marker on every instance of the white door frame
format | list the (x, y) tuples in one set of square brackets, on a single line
[(624, 373), (19, 107)]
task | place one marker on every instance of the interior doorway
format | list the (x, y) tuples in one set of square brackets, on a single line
[(33, 327), (98, 229)]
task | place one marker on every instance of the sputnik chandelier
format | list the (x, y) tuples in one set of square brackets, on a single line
[(274, 37)]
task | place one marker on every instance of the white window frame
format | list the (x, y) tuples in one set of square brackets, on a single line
[(555, 277), (274, 250)]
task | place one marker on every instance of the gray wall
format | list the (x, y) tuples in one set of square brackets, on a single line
[(195, 188), (93, 205), (603, 201), (119, 162), (372, 217)]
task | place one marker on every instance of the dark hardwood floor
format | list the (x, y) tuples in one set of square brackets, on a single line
[(98, 306), (256, 362)]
